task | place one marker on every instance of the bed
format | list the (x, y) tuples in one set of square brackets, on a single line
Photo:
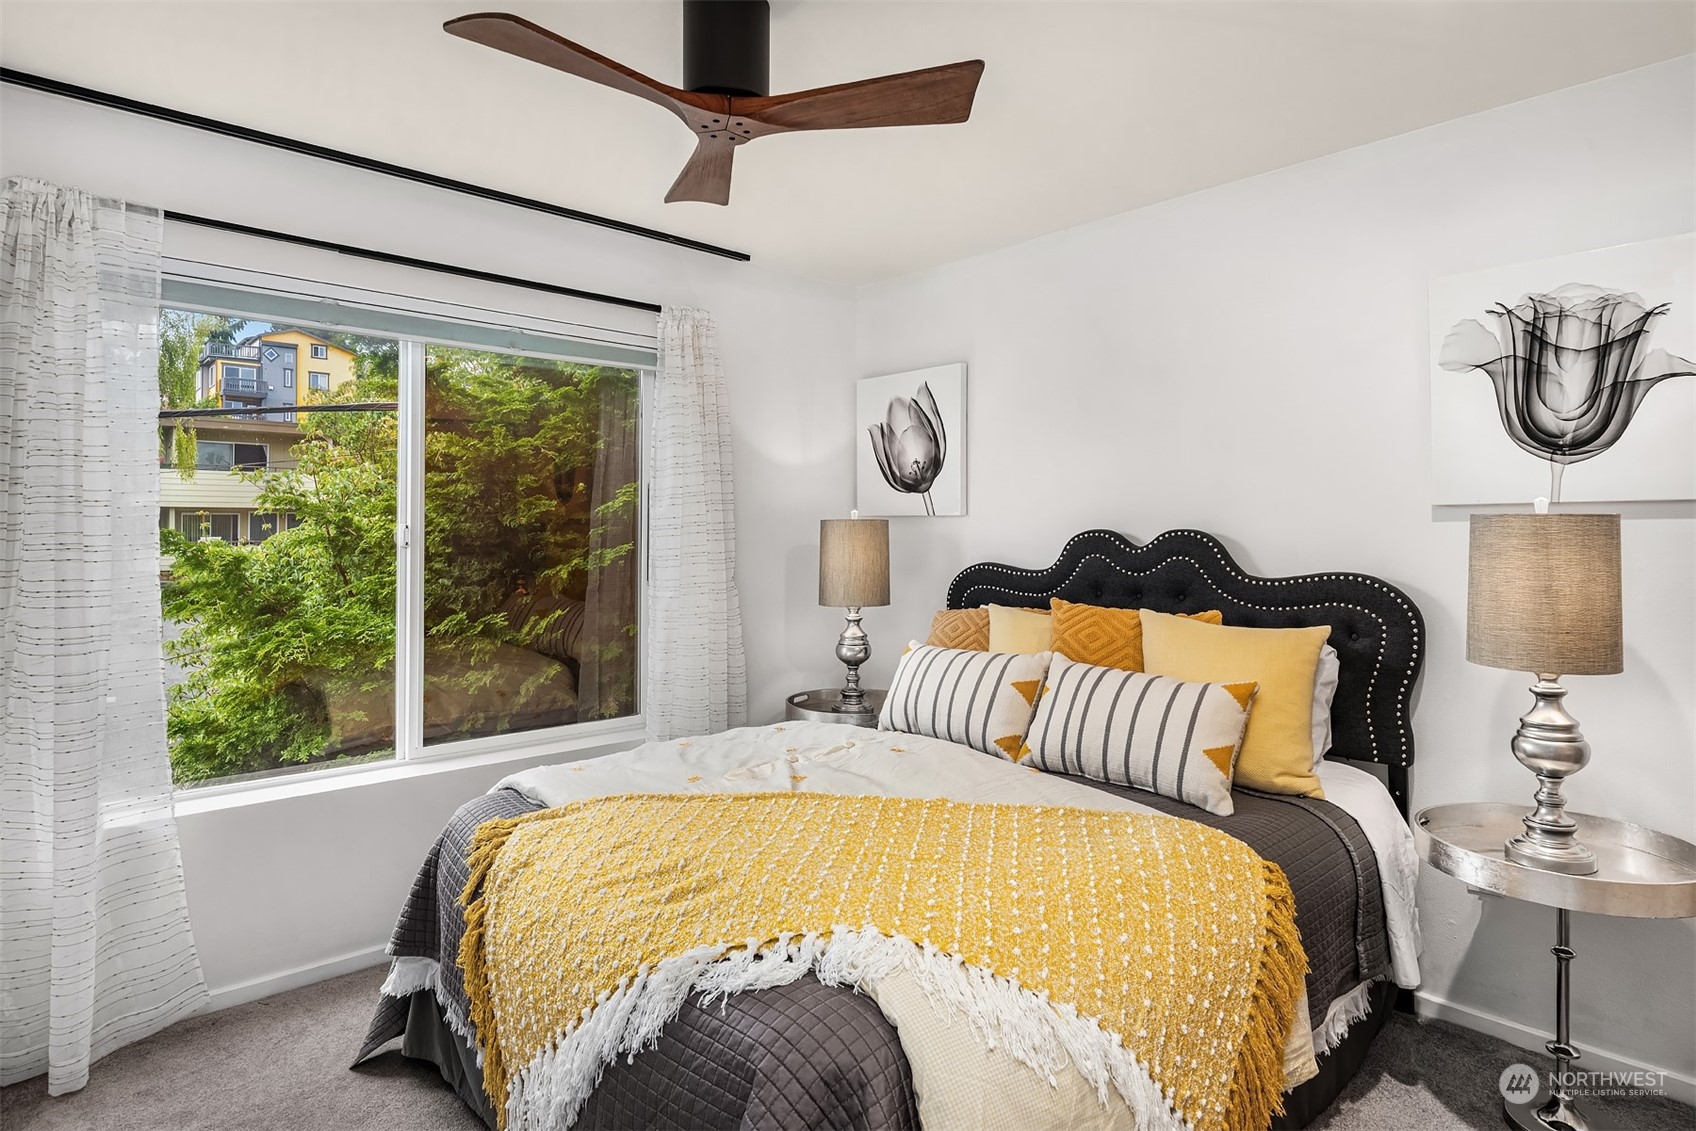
[(805, 1053)]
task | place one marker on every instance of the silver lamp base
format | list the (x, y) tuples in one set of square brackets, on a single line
[(1549, 744), (853, 648)]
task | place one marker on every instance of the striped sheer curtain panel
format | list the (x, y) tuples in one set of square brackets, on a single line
[(95, 948), (696, 677)]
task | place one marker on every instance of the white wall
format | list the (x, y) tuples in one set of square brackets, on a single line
[(305, 885), (1251, 360)]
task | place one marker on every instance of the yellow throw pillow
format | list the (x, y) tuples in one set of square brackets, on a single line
[(1107, 638), (1277, 753), (965, 629), (1022, 631)]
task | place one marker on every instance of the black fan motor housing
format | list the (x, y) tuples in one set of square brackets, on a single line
[(727, 47)]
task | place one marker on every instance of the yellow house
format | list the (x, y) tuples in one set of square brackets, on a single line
[(278, 370), (321, 365), (281, 368)]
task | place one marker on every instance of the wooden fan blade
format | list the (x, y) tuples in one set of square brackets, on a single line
[(518, 36), (933, 96), (706, 177)]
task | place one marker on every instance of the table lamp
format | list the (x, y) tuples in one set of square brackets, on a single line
[(853, 574), (1543, 596)]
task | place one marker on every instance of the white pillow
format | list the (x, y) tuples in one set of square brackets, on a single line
[(1179, 739), (1324, 690), (979, 699)]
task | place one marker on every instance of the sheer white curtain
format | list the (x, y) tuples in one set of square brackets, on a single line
[(695, 676), (95, 949)]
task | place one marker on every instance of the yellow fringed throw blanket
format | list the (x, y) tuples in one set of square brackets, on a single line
[(1162, 956)]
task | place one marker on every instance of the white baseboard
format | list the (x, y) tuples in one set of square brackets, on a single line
[(1679, 1086), (252, 990)]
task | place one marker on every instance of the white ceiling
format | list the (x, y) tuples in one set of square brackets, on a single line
[(1085, 110)]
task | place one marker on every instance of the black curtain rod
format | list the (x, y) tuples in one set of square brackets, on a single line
[(408, 261), (342, 157)]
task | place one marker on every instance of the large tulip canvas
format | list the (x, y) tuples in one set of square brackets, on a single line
[(911, 443), (1571, 379)]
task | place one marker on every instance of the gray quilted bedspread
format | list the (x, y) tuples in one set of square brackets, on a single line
[(808, 1055), (802, 1055)]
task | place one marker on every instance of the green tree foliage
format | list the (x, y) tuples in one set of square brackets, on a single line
[(272, 633), (509, 452), (288, 645)]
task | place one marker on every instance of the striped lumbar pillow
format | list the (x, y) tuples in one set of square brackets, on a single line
[(979, 699), (1150, 731)]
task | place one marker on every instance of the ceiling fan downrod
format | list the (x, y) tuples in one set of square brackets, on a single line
[(727, 47)]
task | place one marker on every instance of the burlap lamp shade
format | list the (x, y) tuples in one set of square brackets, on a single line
[(1543, 594), (854, 562)]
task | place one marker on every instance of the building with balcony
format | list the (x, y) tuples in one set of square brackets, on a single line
[(217, 500), (322, 366), (281, 368)]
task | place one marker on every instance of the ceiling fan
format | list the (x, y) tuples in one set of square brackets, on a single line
[(724, 99)]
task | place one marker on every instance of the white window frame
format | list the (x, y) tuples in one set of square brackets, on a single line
[(230, 444), (409, 573), (257, 516), (184, 513), (320, 352), (410, 749)]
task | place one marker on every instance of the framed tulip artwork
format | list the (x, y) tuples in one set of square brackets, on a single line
[(1570, 379), (911, 443)]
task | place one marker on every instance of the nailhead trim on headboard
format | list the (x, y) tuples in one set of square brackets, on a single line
[(1371, 718)]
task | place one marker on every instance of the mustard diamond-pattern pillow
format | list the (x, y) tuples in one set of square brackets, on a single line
[(960, 628), (1106, 637), (979, 699), (1150, 731)]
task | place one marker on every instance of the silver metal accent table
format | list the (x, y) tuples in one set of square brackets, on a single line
[(1640, 873), (820, 707)]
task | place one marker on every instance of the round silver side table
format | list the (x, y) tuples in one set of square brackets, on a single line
[(820, 707), (1640, 873)]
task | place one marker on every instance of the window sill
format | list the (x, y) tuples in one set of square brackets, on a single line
[(576, 744)]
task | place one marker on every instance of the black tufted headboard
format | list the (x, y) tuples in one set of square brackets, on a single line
[(1375, 628)]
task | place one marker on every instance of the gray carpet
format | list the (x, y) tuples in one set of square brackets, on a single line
[(281, 1065)]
